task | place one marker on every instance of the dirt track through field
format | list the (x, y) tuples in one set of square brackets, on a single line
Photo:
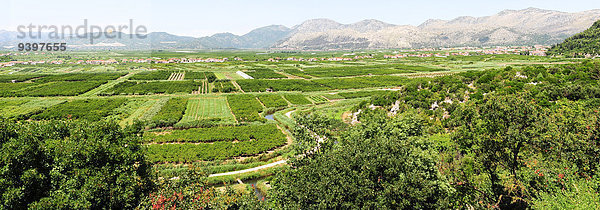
[(250, 169)]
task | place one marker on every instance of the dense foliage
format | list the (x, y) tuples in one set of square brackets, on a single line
[(213, 134), (297, 99), (191, 191), (152, 75), (381, 164), (581, 44), (170, 113), (245, 108), (272, 101), (256, 143), (89, 109), (142, 88), (223, 86), (347, 71), (518, 135), (71, 165), (261, 85), (18, 77), (80, 77), (60, 88)]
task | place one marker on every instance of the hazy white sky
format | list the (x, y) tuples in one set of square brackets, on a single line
[(202, 18)]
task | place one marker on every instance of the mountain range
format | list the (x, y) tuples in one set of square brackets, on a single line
[(529, 26)]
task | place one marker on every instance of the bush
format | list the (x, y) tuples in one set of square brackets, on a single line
[(246, 108), (170, 113), (71, 165)]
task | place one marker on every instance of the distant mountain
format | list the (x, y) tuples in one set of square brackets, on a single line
[(529, 26), (258, 38), (510, 27), (581, 44)]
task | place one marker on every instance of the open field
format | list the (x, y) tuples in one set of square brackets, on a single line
[(208, 108)]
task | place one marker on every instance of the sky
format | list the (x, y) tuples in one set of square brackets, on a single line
[(204, 18)]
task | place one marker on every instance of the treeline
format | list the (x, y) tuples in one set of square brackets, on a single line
[(508, 139), (580, 45), (71, 165)]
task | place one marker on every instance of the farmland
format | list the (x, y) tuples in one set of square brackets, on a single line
[(207, 108), (297, 99), (89, 109), (215, 143), (272, 101), (224, 86), (205, 115), (245, 108), (264, 74), (144, 88), (213, 134), (366, 70), (170, 113)]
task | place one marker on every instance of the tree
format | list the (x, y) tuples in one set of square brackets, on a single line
[(74, 165), (498, 132), (373, 165)]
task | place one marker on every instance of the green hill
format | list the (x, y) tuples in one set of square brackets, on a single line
[(579, 45)]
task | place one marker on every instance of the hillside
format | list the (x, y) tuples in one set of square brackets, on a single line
[(510, 27), (581, 44)]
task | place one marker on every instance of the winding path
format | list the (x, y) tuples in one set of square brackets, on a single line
[(250, 169)]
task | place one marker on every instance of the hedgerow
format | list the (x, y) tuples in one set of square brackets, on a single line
[(170, 113), (246, 108), (89, 109), (214, 134)]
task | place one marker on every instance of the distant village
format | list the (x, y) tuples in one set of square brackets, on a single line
[(537, 50), (113, 61)]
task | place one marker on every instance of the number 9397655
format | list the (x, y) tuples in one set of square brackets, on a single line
[(42, 46)]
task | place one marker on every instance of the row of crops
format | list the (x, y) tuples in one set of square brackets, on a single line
[(264, 74), (213, 134), (165, 75), (359, 70), (41, 78), (245, 108), (189, 152), (179, 111), (76, 84), (273, 101), (39, 85), (262, 85), (145, 88), (216, 143), (60, 88), (223, 86)]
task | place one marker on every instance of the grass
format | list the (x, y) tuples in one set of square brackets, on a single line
[(22, 109), (138, 112), (220, 75), (153, 109), (107, 85), (208, 108)]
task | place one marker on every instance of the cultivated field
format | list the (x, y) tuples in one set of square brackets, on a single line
[(208, 108)]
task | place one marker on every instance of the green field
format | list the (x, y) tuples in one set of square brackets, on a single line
[(418, 117), (207, 108)]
